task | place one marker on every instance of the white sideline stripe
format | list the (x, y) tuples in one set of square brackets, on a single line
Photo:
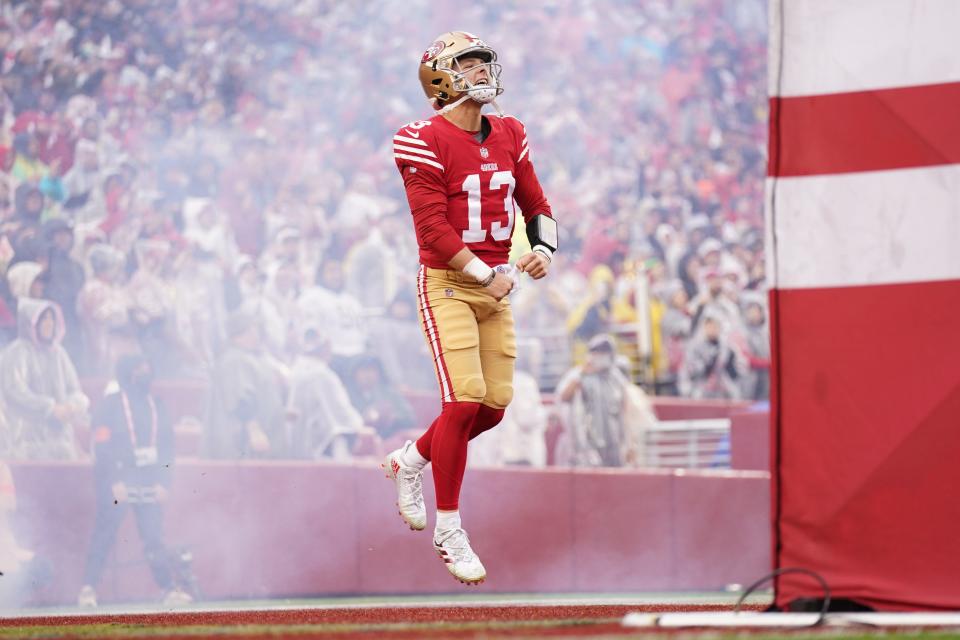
[(423, 152), (726, 619), (523, 153), (524, 143), (875, 227), (405, 156), (407, 140), (831, 47), (432, 333)]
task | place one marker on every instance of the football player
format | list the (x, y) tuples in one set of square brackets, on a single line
[(463, 171)]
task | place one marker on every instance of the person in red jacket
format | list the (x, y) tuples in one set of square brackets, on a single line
[(467, 178)]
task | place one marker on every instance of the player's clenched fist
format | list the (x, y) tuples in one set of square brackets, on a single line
[(534, 264), (501, 286)]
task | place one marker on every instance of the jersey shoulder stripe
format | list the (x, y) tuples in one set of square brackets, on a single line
[(414, 143), (417, 150), (408, 140), (420, 159)]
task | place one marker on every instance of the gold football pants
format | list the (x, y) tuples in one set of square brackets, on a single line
[(470, 337)]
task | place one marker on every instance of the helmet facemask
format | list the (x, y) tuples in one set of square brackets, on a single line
[(482, 92)]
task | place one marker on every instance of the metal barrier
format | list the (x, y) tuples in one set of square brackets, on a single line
[(689, 444)]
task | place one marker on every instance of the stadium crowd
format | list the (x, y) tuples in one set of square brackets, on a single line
[(210, 185)]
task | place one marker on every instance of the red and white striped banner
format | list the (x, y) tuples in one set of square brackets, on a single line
[(863, 230)]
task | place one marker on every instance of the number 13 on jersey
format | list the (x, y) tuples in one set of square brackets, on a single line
[(476, 231)]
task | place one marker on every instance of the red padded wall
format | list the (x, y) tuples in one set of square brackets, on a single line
[(268, 530)]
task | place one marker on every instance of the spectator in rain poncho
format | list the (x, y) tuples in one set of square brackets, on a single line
[(382, 406), (370, 269), (286, 249), (599, 311), (245, 415), (712, 298), (398, 341), (608, 415), (200, 305), (85, 201), (324, 423), (246, 288), (151, 305), (361, 205), (712, 367), (209, 234), (595, 313), (26, 280), (756, 347), (280, 294), (103, 308), (41, 393), (327, 305)]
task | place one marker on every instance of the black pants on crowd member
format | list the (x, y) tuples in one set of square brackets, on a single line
[(110, 515)]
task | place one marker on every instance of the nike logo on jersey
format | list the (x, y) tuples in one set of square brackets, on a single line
[(412, 134)]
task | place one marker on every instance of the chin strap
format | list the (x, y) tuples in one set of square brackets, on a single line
[(453, 105), (461, 100)]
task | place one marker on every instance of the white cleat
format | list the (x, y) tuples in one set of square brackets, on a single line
[(453, 547), (409, 481)]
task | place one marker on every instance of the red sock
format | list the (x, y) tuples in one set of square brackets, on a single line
[(448, 451), (487, 418)]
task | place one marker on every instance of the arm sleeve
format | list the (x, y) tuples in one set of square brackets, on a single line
[(427, 195)]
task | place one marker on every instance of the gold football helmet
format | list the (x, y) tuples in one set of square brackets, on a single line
[(440, 74)]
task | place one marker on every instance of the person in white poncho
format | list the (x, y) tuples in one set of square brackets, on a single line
[(323, 422), (607, 414), (41, 395)]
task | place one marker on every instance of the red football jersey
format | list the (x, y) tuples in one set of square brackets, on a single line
[(462, 192)]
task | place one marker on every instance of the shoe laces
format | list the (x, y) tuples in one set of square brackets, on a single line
[(412, 479), (457, 544)]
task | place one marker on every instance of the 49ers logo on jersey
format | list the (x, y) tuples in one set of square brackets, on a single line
[(433, 51)]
